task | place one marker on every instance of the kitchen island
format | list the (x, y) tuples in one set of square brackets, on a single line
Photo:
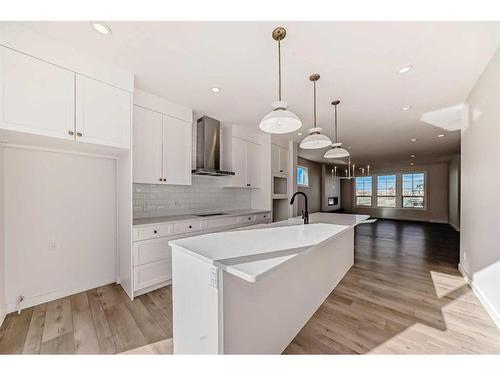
[(251, 291)]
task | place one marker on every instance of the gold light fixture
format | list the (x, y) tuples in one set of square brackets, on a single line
[(280, 120), (315, 139)]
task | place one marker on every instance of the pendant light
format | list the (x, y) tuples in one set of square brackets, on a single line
[(315, 139), (280, 120), (336, 152)]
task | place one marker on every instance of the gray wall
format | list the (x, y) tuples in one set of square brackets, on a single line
[(331, 188), (436, 199), (454, 192), (313, 191), (2, 252), (480, 187), (206, 194)]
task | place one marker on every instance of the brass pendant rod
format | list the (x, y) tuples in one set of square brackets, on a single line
[(314, 82), (336, 127), (279, 70)]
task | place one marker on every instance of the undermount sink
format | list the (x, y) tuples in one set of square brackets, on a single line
[(210, 214)]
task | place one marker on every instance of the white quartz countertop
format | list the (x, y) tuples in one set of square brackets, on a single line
[(179, 218), (252, 253)]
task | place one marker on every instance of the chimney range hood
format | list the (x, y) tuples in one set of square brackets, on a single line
[(208, 148)]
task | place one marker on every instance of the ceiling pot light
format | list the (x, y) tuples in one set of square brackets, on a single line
[(412, 163), (412, 155), (413, 139), (336, 151), (101, 28), (299, 134), (280, 120), (215, 89), (440, 135), (405, 69), (315, 139), (406, 108)]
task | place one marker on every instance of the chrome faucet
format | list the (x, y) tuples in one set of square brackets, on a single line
[(305, 214)]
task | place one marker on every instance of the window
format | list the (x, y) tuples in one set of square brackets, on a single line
[(386, 191), (413, 190), (363, 190), (302, 176)]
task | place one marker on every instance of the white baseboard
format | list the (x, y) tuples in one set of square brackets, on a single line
[(30, 301), (495, 315), (454, 226), (3, 313)]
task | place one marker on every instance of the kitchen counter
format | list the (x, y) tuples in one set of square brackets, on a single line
[(250, 291), (180, 218)]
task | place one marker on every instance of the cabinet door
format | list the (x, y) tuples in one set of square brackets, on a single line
[(102, 113), (147, 165), (239, 163), (36, 97), (176, 151), (275, 159), (283, 168), (253, 165)]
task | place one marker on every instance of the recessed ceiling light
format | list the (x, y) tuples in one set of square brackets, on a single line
[(299, 134), (412, 155), (413, 139), (215, 89), (405, 69), (407, 108), (101, 27), (440, 135), (412, 163)]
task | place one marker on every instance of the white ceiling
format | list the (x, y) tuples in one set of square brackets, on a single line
[(358, 63)]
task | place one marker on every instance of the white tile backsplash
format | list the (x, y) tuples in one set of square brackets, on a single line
[(206, 194)]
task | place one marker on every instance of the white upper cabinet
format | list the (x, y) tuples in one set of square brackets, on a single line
[(253, 164), (103, 113), (246, 159), (162, 141), (35, 96), (147, 144), (279, 159), (176, 151)]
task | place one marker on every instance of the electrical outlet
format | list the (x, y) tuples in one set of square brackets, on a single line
[(214, 278), (53, 245)]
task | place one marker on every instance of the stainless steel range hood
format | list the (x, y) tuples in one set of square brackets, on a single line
[(208, 148)]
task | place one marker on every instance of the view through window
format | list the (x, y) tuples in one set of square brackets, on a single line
[(413, 190), (302, 176), (364, 191), (386, 191)]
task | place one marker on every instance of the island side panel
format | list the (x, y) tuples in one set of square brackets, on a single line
[(264, 317), (196, 297)]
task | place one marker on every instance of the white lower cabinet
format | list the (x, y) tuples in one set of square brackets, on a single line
[(152, 256)]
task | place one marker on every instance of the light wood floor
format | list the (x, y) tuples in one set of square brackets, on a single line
[(101, 320), (403, 295)]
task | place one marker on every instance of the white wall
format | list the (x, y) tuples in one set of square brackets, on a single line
[(436, 196), (454, 192), (480, 187), (2, 255), (69, 199)]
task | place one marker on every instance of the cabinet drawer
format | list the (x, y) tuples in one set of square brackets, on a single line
[(152, 231), (222, 222), (188, 226), (153, 273), (151, 251), (262, 216), (246, 219)]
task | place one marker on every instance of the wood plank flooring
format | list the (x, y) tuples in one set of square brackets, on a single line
[(403, 295), (101, 320)]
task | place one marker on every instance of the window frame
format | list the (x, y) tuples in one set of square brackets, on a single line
[(395, 196), (356, 194), (424, 196), (306, 174)]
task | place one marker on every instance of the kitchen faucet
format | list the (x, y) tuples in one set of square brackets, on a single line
[(305, 214)]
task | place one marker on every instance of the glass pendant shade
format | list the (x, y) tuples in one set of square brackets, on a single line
[(280, 120), (315, 140), (336, 153)]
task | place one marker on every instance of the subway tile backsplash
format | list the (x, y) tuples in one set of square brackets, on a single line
[(206, 194)]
